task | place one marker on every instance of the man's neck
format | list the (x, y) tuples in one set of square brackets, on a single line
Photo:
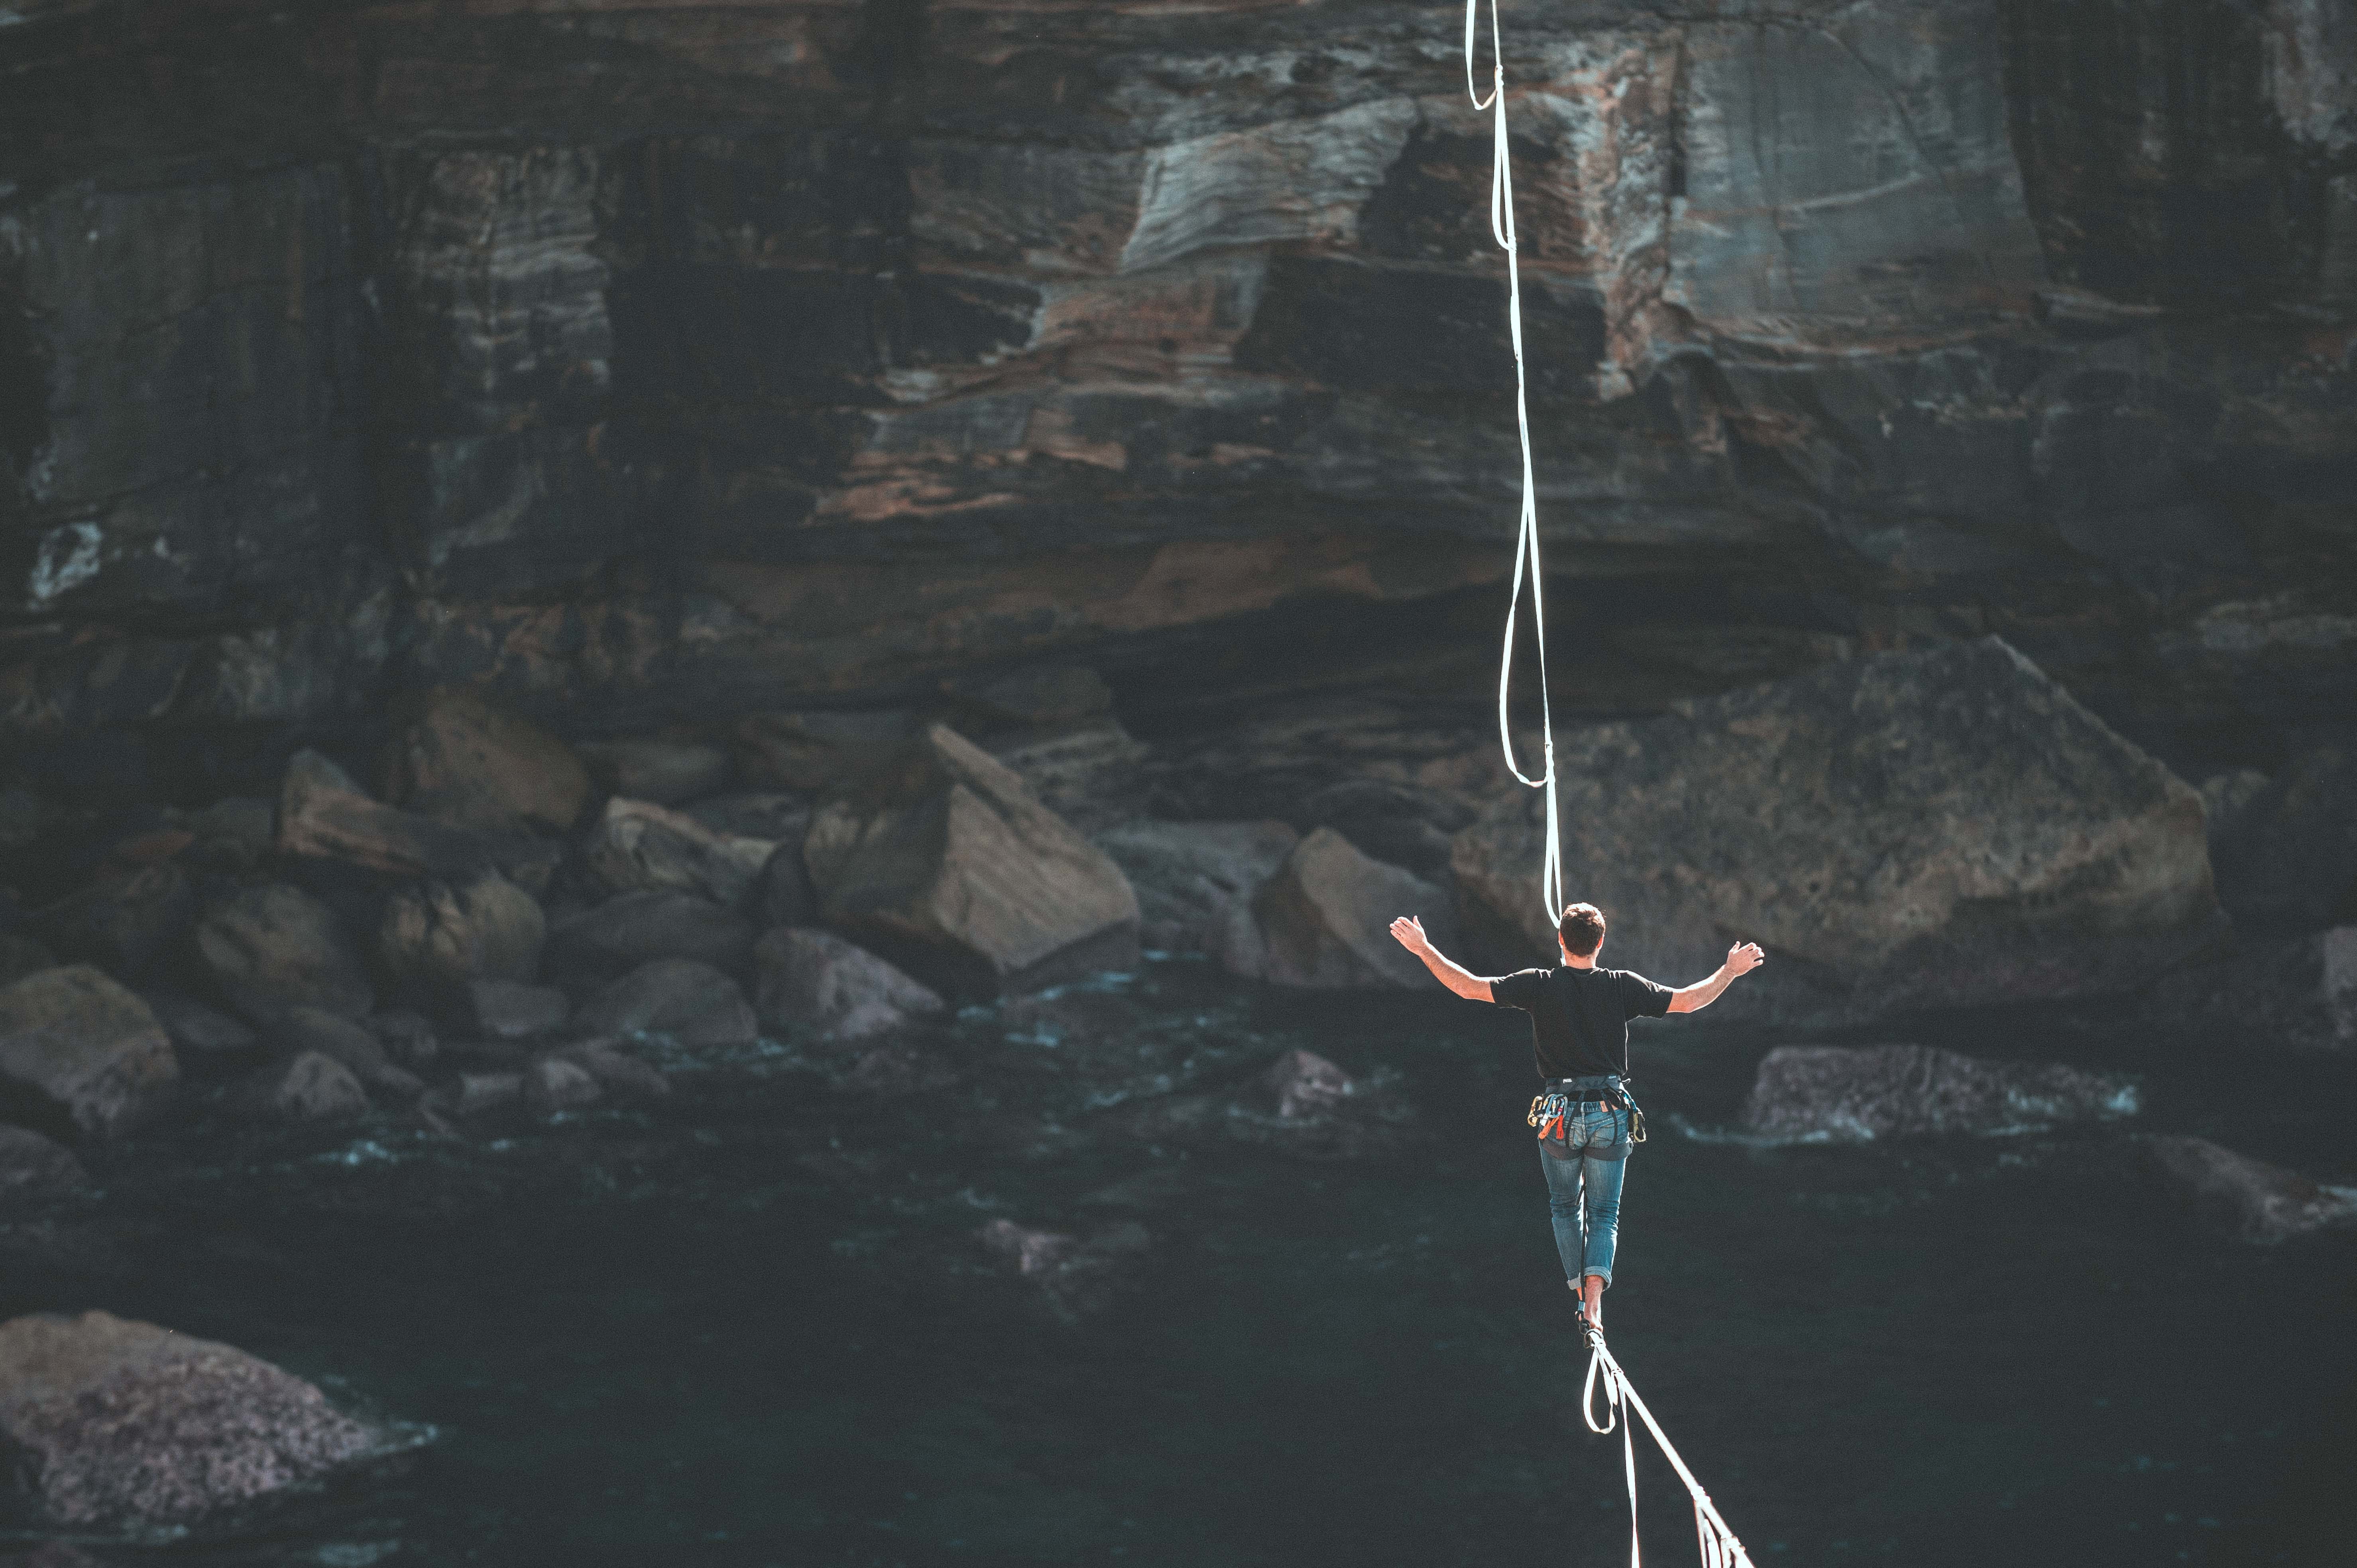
[(1571, 963)]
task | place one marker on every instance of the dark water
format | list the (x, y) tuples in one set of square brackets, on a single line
[(753, 1327)]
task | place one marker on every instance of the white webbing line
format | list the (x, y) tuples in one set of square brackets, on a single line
[(1720, 1549), (1527, 541)]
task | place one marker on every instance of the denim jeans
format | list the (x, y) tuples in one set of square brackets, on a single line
[(1584, 1192)]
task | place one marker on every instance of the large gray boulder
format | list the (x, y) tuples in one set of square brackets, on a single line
[(1895, 1091), (461, 759), (945, 864), (1915, 829), (123, 1426), (692, 1003), (1196, 881), (1325, 918), (271, 947), (639, 846), (78, 1050), (2249, 1200), (624, 932), (435, 936), (814, 980)]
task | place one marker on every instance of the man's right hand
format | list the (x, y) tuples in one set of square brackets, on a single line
[(1408, 931)]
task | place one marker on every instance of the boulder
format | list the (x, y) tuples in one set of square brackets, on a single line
[(616, 1071), (477, 1092), (1304, 1084), (1076, 1276), (407, 1038), (652, 768), (1325, 918), (123, 1426), (505, 1010), (2286, 846), (21, 956), (310, 1086), (637, 927), (554, 1083), (35, 1170), (814, 980), (779, 815), (322, 813), (2245, 1199), (435, 938), (1196, 881), (639, 846), (693, 1003), (195, 1029), (944, 862), (123, 920), (235, 833), (813, 751), (78, 1052), (1896, 1091), (270, 947), (786, 896), (464, 760), (1914, 830), (297, 1030)]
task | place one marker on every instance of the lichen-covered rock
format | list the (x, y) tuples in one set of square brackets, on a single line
[(1326, 918), (435, 938), (465, 760), (2249, 1200), (125, 1426), (79, 1050), (1896, 1091), (658, 768), (692, 1003), (639, 846), (310, 1086), (624, 932), (1195, 881), (947, 865), (271, 947), (1915, 829), (36, 1170), (814, 980)]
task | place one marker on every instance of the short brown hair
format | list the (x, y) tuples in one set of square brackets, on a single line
[(1581, 929)]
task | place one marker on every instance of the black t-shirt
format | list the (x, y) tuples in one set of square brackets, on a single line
[(1596, 1041)]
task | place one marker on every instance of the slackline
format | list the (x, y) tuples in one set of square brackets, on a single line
[(1720, 1549)]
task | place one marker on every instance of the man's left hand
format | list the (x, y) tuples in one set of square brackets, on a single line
[(1743, 958)]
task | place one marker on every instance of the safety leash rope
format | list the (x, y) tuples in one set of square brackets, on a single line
[(1720, 1549), (1527, 538)]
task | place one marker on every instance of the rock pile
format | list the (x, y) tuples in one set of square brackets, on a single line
[(1896, 1091)]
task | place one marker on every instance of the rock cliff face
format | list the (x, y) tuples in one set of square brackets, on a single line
[(637, 360)]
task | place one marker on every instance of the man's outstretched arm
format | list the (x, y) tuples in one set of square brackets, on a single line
[(1741, 959), (1409, 931)]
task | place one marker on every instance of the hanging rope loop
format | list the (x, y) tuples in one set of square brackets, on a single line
[(1720, 1549)]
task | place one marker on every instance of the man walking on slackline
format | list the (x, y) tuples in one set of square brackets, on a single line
[(1579, 1033)]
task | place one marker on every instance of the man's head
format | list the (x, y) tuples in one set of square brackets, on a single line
[(1581, 931)]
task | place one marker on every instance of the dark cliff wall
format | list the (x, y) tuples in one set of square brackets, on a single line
[(647, 359)]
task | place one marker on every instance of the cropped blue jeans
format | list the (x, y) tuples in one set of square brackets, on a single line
[(1584, 1192)]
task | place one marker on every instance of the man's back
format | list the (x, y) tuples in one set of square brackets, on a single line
[(1579, 1018)]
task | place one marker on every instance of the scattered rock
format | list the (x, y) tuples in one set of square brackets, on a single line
[(1086, 775), (616, 1071), (639, 845), (2285, 847), (1914, 829), (1196, 881), (234, 834), (813, 751), (79, 1052), (1075, 1277), (314, 1029), (553, 1083), (2246, 1200), (1326, 918), (310, 1086), (1040, 694), (195, 1028), (464, 760), (322, 813), (1896, 1091), (436, 939), (272, 947), (1306, 1084), (35, 1170), (125, 1426), (693, 1003), (637, 927), (652, 767), (2339, 945), (503, 1009), (21, 956), (816, 981), (122, 921), (477, 1092), (945, 864), (407, 1038)]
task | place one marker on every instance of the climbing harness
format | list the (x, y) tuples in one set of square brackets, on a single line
[(1526, 537), (1720, 1549), (1552, 1114)]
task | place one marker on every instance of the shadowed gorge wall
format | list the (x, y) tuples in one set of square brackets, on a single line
[(640, 361)]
